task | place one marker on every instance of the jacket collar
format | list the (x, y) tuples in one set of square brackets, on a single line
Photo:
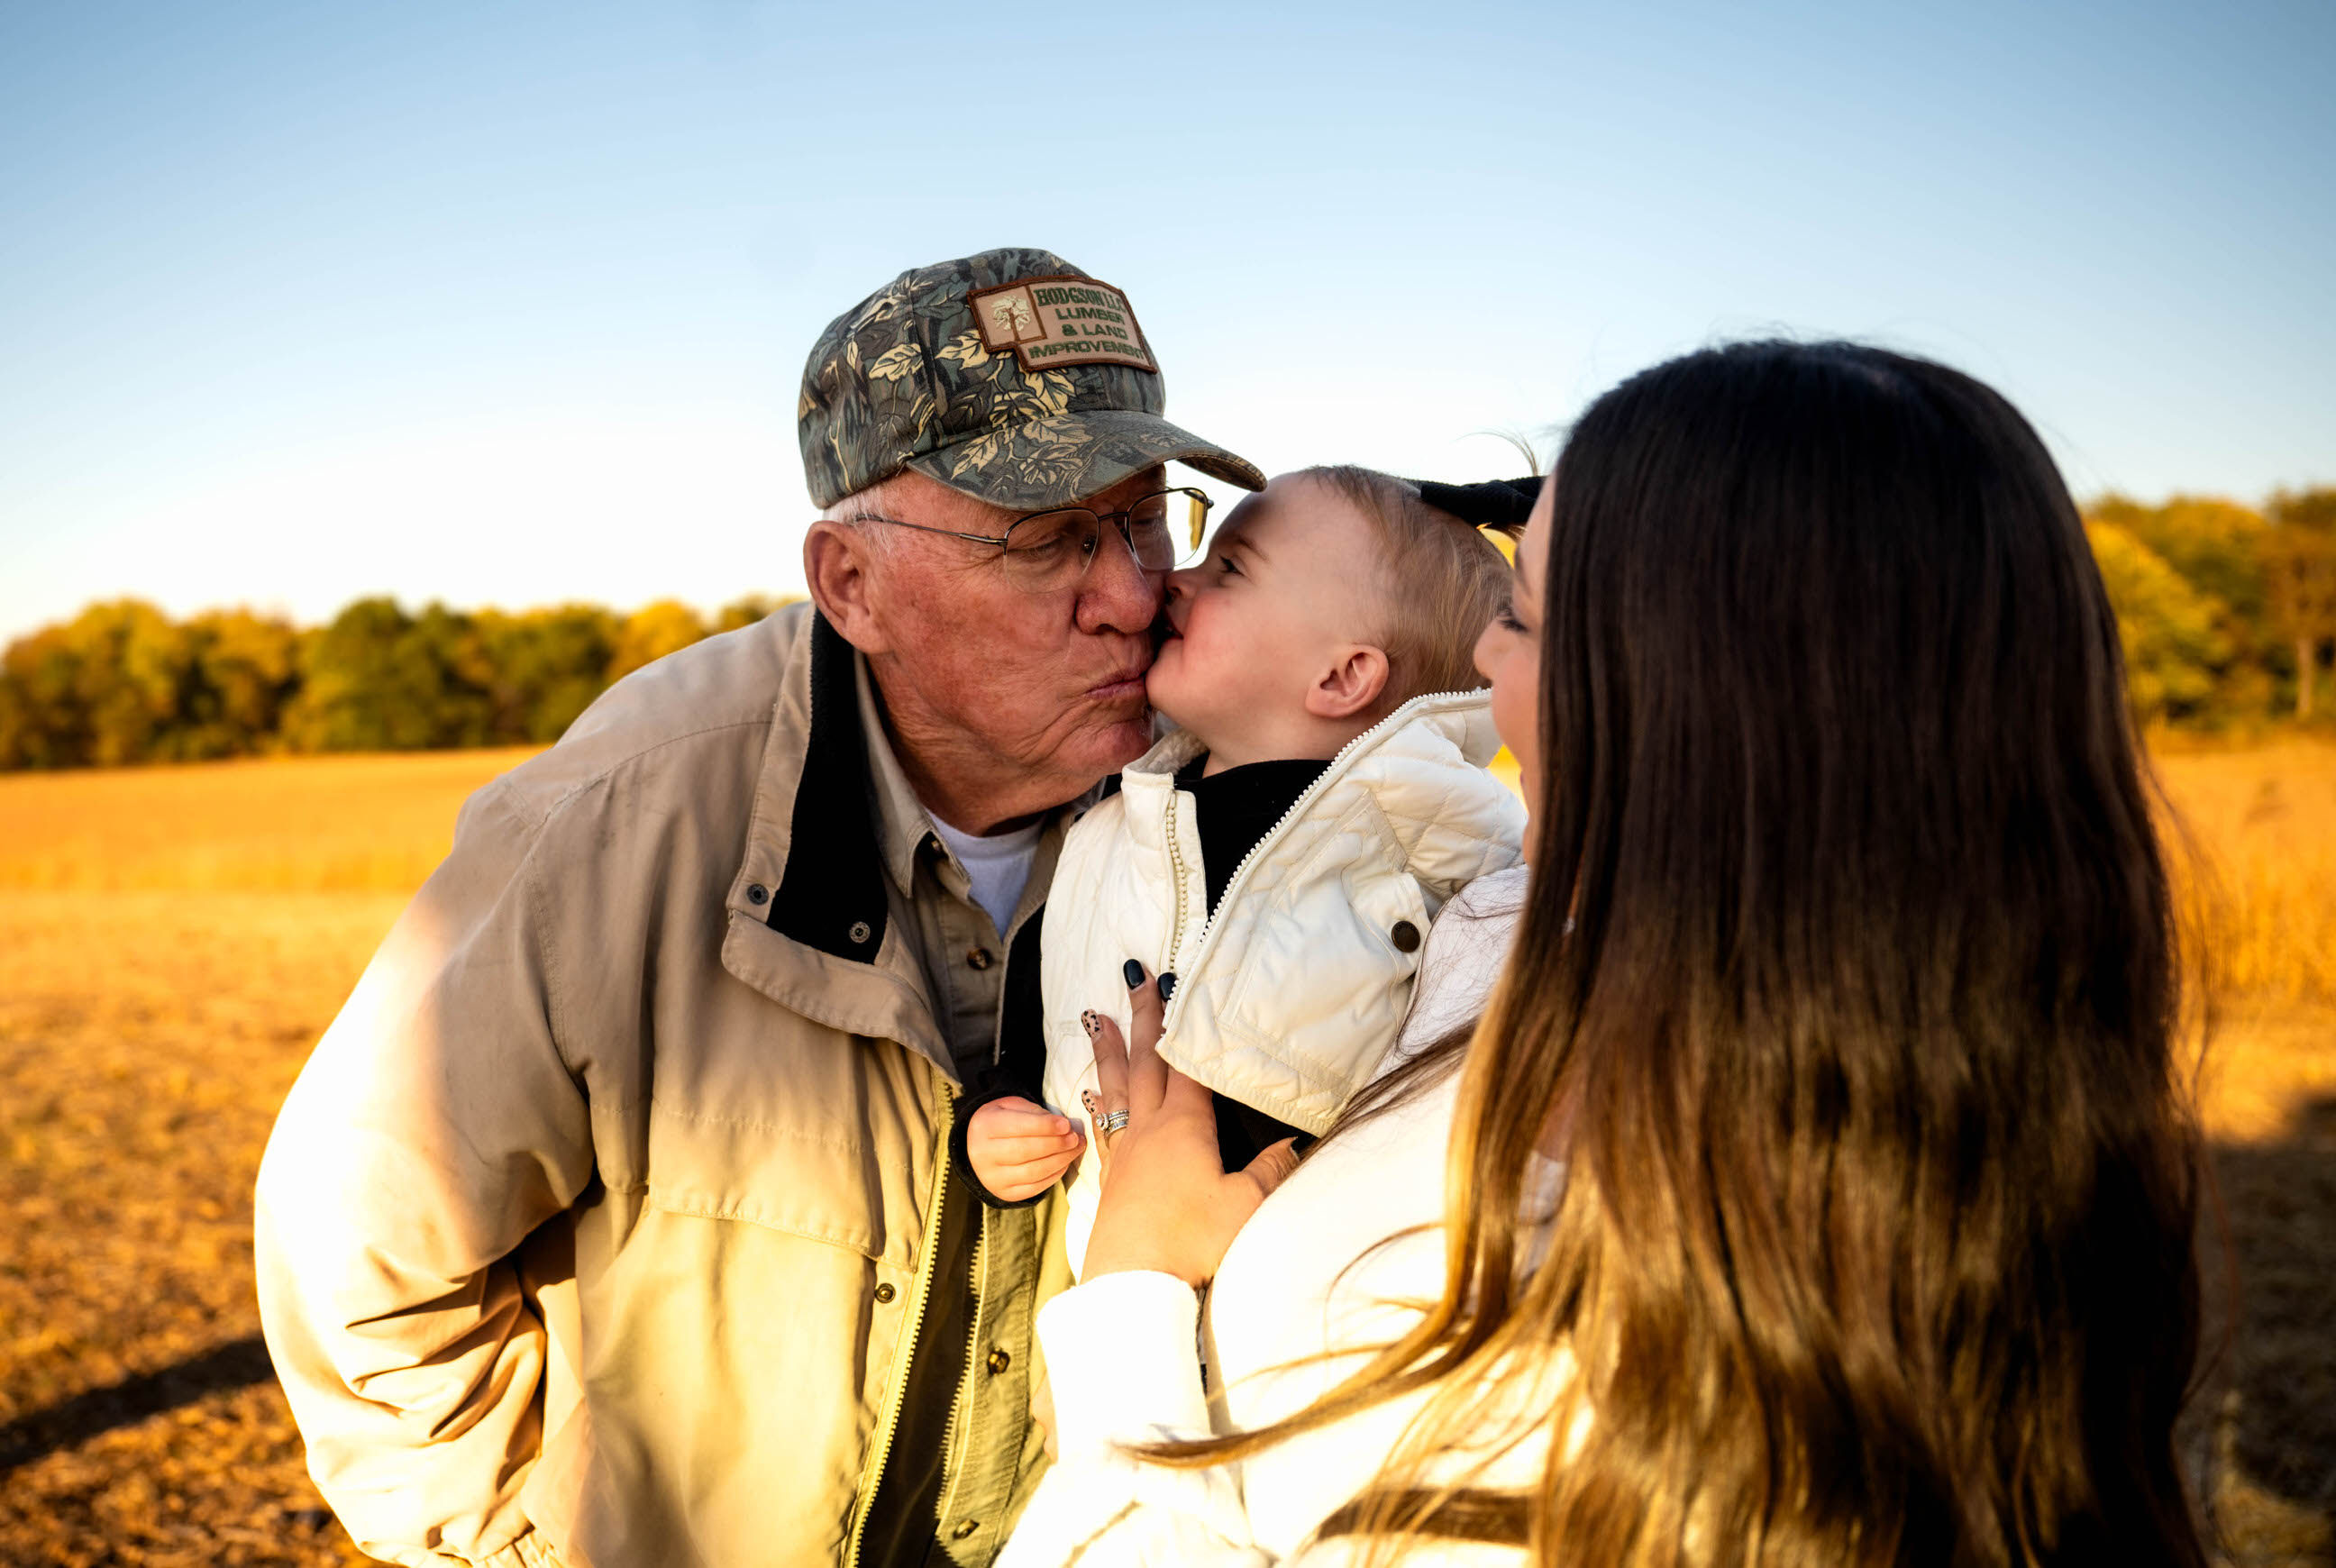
[(832, 897), (1463, 718), (810, 923)]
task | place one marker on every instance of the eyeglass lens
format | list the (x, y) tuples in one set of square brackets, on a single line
[(1050, 547)]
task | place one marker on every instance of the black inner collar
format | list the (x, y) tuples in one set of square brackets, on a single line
[(1237, 808)]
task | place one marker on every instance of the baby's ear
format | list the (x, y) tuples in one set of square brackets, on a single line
[(1350, 685)]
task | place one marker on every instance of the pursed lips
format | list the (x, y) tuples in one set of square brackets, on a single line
[(1128, 682)]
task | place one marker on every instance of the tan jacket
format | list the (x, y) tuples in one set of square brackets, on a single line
[(601, 1226), (1289, 994)]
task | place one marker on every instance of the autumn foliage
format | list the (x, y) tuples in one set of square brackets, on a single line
[(124, 683), (2228, 616)]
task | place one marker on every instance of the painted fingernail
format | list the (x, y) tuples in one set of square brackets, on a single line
[(1134, 973), (1087, 1098), (1167, 985), (1087, 1021)]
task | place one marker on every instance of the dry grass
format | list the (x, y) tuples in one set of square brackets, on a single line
[(153, 1011), (307, 824), (2255, 837), (172, 940)]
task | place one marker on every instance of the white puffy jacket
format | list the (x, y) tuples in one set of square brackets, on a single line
[(1333, 1266), (1288, 997)]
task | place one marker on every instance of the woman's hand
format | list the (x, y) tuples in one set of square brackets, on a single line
[(1168, 1203)]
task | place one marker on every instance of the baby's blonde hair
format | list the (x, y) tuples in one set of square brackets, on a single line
[(1440, 581)]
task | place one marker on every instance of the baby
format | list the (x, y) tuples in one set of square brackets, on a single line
[(1278, 857)]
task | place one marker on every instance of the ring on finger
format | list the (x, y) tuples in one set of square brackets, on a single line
[(1113, 1122)]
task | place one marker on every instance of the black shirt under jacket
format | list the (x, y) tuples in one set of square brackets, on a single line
[(1234, 810)]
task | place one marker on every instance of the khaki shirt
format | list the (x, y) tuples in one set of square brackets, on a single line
[(612, 1221)]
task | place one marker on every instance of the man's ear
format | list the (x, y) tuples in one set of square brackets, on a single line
[(838, 568), (1350, 685)]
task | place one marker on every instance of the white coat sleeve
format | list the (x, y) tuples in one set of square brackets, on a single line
[(1122, 1361)]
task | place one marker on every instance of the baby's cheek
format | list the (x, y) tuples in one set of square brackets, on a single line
[(1160, 680)]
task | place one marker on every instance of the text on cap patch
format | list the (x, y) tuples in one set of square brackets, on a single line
[(1052, 321)]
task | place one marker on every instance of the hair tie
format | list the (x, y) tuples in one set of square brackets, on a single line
[(1500, 504)]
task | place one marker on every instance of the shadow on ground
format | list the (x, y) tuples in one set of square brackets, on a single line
[(235, 1365), (2273, 1397)]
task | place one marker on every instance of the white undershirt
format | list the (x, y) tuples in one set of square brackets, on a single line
[(997, 866)]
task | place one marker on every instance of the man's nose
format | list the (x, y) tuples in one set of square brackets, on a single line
[(1118, 594)]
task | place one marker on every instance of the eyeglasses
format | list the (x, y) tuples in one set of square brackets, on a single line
[(1049, 551)]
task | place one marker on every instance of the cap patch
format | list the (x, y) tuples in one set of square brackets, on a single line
[(1056, 321)]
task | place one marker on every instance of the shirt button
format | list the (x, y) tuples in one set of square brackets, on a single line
[(999, 1361), (756, 893), (964, 1530), (884, 1293), (1405, 936), (860, 932), (978, 959)]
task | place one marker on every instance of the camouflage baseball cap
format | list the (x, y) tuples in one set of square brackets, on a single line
[(1011, 376)]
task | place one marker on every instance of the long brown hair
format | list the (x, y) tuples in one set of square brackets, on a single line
[(1848, 970)]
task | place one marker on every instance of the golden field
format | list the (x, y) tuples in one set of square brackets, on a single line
[(173, 940)]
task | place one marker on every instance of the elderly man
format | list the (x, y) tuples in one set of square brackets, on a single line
[(613, 1221)]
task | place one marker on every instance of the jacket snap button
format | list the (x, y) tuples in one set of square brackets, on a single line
[(964, 1530), (884, 1294), (859, 932), (999, 1361), (756, 893), (978, 959), (1405, 936)]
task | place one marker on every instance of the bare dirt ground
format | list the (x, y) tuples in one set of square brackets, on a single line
[(173, 941)]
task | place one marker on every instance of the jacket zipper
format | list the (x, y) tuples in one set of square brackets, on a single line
[(921, 1293), (1176, 874), (1241, 872), (972, 1347)]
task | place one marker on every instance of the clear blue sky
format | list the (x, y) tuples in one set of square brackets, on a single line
[(508, 304)]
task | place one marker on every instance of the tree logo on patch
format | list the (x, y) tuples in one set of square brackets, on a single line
[(1013, 319)]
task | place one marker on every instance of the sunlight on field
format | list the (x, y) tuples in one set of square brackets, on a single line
[(309, 824), (173, 940), (2264, 822), (2252, 843)]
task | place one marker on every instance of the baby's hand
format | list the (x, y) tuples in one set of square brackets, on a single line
[(1017, 1149)]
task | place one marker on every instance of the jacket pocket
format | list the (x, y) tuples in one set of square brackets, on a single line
[(826, 1179), (1326, 974)]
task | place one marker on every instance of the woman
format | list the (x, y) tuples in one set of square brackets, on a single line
[(1844, 991)]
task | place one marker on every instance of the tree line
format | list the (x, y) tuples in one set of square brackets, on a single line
[(122, 682), (2227, 614)]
